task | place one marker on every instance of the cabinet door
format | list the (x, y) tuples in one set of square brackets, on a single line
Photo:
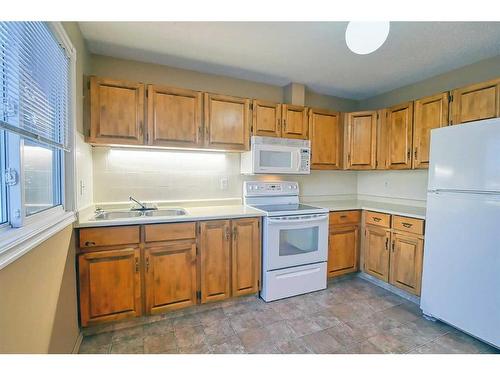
[(343, 250), (170, 275), (430, 113), (174, 117), (116, 112), (227, 122), (376, 252), (399, 128), (215, 266), (476, 102), (110, 285), (406, 262), (294, 121), (266, 118), (326, 139), (245, 256), (361, 138)]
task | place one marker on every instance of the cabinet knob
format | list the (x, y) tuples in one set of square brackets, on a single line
[(89, 243)]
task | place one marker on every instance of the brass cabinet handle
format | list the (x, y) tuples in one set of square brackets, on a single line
[(89, 243), (387, 243), (228, 234), (408, 154), (136, 265), (284, 124), (235, 233), (147, 264), (416, 152), (343, 216), (376, 219), (393, 245), (407, 225)]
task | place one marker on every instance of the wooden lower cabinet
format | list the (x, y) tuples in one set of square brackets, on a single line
[(110, 285), (406, 262), (376, 252), (245, 256), (170, 276), (343, 249), (215, 245)]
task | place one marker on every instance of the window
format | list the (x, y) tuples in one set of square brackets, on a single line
[(35, 86)]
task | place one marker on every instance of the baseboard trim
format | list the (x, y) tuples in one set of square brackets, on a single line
[(389, 287), (78, 342)]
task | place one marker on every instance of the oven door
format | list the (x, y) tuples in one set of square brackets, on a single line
[(276, 159), (295, 240)]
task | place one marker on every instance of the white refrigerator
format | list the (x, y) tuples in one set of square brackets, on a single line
[(461, 273)]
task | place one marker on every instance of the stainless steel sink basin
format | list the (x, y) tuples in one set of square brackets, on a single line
[(111, 215), (166, 212)]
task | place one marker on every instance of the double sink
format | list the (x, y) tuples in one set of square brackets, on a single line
[(129, 214)]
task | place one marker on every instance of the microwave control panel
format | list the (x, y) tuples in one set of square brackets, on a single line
[(305, 159)]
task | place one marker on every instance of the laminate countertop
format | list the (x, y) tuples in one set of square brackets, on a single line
[(388, 208)]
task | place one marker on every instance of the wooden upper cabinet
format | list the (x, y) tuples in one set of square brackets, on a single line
[(430, 113), (399, 131), (343, 249), (110, 285), (381, 158), (227, 123), (174, 117), (116, 112), (406, 262), (245, 256), (476, 102), (325, 133), (170, 275), (215, 244), (376, 252), (361, 138), (266, 118), (294, 118)]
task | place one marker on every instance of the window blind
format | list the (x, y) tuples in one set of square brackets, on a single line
[(34, 83)]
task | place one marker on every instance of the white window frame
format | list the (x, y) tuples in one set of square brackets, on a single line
[(36, 228)]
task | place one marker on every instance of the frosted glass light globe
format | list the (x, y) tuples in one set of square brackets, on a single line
[(366, 37)]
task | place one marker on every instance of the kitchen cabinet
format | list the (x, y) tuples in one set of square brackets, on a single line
[(170, 262), (376, 251), (399, 132), (116, 112), (266, 118), (343, 243), (245, 256), (360, 140), (430, 113), (476, 102), (215, 264), (174, 117), (325, 133), (295, 124), (406, 262), (227, 122), (110, 285), (382, 140)]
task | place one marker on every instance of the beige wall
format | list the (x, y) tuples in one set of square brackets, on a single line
[(38, 312), (164, 75), (481, 71)]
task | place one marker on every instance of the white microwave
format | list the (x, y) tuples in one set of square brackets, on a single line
[(269, 155)]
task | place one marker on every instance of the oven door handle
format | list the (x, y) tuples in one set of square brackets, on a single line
[(301, 219)]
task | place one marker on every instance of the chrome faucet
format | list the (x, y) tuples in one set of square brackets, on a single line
[(143, 207)]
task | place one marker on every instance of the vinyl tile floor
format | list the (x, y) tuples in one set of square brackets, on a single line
[(352, 316)]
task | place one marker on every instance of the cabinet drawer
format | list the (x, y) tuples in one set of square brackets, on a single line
[(408, 224), (109, 236), (344, 217), (169, 232), (378, 218)]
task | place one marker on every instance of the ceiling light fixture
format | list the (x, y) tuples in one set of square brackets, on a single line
[(366, 37)]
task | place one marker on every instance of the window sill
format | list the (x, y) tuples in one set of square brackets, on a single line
[(15, 242)]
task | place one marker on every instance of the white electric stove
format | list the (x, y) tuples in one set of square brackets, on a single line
[(295, 239)]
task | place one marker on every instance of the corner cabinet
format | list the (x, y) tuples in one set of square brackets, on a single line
[(174, 117), (325, 133), (360, 140), (399, 132), (476, 102), (227, 122), (430, 113), (116, 112)]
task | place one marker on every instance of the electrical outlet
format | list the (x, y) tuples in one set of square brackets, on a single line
[(223, 183)]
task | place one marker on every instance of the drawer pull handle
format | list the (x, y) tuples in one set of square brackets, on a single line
[(89, 243), (407, 225), (343, 216), (376, 219), (387, 243)]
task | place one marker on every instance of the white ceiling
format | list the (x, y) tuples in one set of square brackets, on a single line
[(312, 53)]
